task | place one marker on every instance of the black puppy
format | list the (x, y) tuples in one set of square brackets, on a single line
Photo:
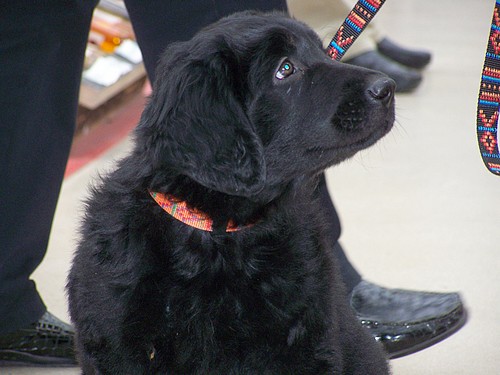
[(203, 253)]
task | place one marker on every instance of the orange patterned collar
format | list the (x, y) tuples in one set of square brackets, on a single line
[(190, 216)]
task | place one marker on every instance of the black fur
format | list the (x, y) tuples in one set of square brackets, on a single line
[(151, 295)]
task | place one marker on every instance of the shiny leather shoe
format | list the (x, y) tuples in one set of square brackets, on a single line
[(406, 79), (407, 321), (47, 342), (412, 58)]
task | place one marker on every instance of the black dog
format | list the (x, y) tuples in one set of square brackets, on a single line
[(241, 121)]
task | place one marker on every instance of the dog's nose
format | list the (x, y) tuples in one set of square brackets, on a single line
[(382, 90)]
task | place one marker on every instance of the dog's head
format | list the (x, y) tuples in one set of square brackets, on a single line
[(252, 102)]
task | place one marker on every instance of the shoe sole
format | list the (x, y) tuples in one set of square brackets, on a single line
[(426, 344), (14, 358)]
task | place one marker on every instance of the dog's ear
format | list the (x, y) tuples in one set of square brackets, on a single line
[(196, 124)]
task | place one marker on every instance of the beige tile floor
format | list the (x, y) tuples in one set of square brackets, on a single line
[(419, 210)]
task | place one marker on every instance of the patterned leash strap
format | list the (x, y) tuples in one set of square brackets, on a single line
[(489, 98), (353, 25)]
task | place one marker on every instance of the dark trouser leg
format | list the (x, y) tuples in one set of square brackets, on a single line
[(350, 276), (161, 23), (41, 57)]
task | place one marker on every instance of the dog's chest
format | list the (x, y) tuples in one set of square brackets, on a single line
[(234, 277), (246, 296)]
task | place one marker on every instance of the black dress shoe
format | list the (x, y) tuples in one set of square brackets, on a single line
[(416, 59), (406, 79), (46, 342), (407, 321)]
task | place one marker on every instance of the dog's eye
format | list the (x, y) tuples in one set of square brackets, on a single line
[(285, 70)]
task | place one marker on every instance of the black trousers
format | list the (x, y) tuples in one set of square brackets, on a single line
[(42, 45)]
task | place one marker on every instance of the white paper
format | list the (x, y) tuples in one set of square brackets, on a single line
[(107, 70), (130, 51)]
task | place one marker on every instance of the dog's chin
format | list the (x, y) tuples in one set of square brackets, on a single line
[(370, 139), (337, 153)]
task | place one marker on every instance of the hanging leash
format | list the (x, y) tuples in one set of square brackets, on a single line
[(489, 94), (359, 17), (489, 98)]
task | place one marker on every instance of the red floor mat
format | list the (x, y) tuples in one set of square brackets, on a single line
[(89, 145)]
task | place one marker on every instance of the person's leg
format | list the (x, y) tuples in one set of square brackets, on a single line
[(41, 57), (404, 321), (163, 22), (156, 26), (182, 23), (350, 276), (326, 16)]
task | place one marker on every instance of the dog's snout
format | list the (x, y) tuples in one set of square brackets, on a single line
[(382, 90)]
